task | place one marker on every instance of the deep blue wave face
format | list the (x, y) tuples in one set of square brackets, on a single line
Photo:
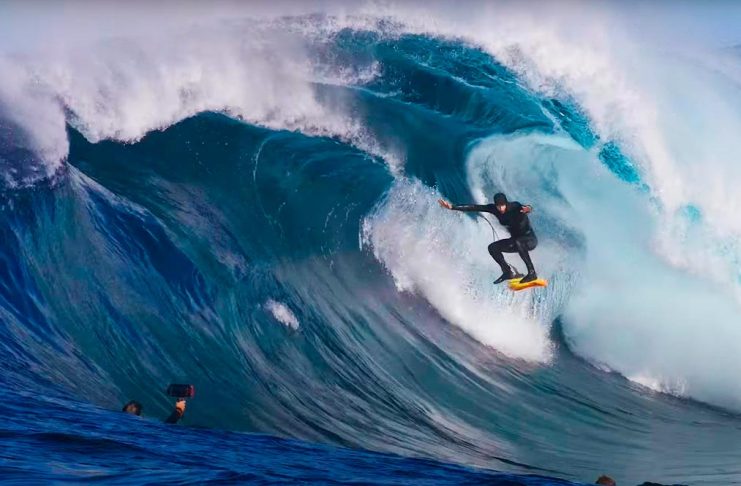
[(231, 256)]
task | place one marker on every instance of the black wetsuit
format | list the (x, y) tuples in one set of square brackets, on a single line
[(522, 237), (174, 417)]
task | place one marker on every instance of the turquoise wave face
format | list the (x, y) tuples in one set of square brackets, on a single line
[(252, 262)]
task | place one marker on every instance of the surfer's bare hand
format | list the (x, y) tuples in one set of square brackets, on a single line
[(526, 209), (180, 406), (445, 204)]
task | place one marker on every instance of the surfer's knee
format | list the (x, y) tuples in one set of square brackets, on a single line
[(494, 249)]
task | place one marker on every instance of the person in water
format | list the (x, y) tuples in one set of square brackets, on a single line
[(135, 408), (605, 481), (522, 240)]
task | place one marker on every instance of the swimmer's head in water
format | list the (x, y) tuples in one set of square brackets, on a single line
[(133, 407)]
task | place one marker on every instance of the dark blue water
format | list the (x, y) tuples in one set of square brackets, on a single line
[(48, 440), (165, 260)]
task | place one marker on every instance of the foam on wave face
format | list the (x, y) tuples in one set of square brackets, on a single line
[(629, 309), (282, 314)]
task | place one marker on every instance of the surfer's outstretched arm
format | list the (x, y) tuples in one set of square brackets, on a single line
[(477, 208), (482, 208)]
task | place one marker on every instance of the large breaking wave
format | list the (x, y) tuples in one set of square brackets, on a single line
[(250, 206)]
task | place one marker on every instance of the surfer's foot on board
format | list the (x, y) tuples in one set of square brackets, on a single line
[(507, 276), (529, 277)]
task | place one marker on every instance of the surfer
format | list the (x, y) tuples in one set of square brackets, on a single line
[(513, 216)]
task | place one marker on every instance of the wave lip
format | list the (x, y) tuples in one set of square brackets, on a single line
[(269, 74)]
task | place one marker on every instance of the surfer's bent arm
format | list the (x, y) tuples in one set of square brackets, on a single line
[(523, 208)]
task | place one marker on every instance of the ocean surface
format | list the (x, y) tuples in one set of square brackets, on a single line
[(251, 207)]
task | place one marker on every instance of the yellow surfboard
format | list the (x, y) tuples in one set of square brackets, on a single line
[(515, 284)]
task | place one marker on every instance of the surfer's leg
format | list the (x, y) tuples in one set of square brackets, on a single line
[(496, 251), (524, 245)]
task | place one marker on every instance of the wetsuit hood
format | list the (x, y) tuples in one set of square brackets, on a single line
[(500, 198)]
